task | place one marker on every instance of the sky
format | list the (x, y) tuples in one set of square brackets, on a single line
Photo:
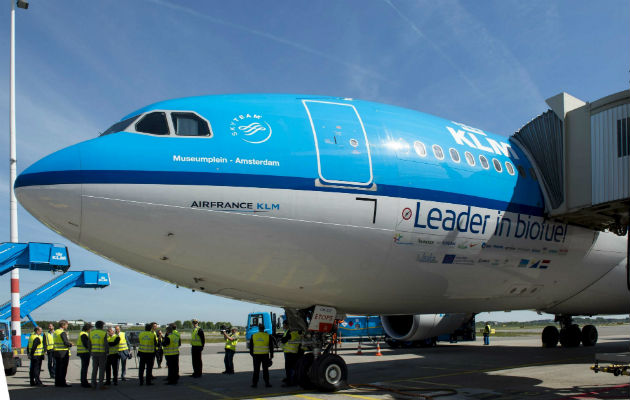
[(82, 65)]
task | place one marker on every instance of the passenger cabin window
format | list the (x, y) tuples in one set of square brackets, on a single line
[(497, 165), (533, 174), (189, 124), (509, 168), (119, 126), (454, 155), (154, 123), (420, 148), (469, 159), (521, 171), (437, 151), (484, 162)]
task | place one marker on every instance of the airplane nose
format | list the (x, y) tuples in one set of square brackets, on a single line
[(51, 190)]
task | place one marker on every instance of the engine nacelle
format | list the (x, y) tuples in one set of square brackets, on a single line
[(421, 326)]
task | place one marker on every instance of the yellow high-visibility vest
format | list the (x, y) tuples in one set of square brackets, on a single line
[(97, 340), (147, 342), (195, 340), (122, 346), (173, 345), (39, 350), (58, 342), (81, 349), (49, 341), (231, 344), (292, 346), (111, 349), (261, 342)]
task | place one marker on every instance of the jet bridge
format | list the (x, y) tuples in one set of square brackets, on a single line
[(50, 290), (581, 155)]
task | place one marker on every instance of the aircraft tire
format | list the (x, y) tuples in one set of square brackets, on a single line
[(329, 373), (302, 371), (550, 336), (10, 371), (589, 335), (571, 336)]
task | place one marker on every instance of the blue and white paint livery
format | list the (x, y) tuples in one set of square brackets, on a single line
[(292, 200)]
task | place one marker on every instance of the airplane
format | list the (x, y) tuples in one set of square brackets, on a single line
[(329, 206)]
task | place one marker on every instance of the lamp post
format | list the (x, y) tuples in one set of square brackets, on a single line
[(16, 331)]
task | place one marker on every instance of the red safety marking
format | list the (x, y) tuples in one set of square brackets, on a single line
[(406, 213), (594, 393), (15, 285), (15, 314)]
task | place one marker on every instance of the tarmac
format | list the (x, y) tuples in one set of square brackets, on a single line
[(510, 368)]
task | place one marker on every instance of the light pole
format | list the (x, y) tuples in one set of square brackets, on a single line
[(16, 331)]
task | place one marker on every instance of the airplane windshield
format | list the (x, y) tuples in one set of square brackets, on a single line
[(119, 126)]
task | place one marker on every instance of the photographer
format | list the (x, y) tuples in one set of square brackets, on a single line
[(230, 348)]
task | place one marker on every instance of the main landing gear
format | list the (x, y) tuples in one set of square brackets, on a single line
[(569, 335), (319, 367)]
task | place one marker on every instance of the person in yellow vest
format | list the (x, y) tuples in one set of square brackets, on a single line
[(231, 341), (36, 354), (197, 341), (98, 349), (486, 334), (123, 352), (49, 347), (146, 352), (291, 344), (83, 350), (62, 353), (112, 357), (261, 350), (171, 344)]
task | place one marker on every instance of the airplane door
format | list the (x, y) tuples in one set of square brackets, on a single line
[(343, 153)]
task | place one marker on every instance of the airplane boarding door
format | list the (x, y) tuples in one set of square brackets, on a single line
[(343, 153)]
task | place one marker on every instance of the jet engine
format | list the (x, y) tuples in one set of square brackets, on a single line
[(408, 328)]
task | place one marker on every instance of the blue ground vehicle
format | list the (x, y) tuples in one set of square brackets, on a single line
[(357, 327), (271, 322)]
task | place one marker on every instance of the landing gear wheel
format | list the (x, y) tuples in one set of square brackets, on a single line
[(589, 335), (302, 369), (329, 373), (550, 336), (570, 336)]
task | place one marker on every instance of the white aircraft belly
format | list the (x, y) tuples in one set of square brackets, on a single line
[(299, 248)]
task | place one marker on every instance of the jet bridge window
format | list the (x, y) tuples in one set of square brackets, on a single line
[(119, 126), (189, 124), (154, 123)]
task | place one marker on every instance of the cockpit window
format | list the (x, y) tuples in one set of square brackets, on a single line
[(154, 123), (189, 124), (119, 126)]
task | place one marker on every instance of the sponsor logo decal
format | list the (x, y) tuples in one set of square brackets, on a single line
[(250, 128), (398, 239), (540, 264)]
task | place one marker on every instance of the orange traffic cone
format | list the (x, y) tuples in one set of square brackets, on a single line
[(359, 349), (378, 349)]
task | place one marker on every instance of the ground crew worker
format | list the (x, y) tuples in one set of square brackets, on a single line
[(171, 344), (291, 344), (62, 353), (486, 334), (83, 350), (123, 352), (98, 348), (112, 356), (231, 341), (261, 350), (197, 342), (146, 351), (36, 354), (48, 343)]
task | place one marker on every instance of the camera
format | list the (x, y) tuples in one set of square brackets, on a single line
[(223, 328)]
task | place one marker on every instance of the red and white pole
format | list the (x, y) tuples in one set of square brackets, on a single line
[(16, 330)]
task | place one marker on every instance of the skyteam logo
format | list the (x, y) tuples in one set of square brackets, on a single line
[(251, 128)]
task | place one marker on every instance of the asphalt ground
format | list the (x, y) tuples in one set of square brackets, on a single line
[(510, 368)]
